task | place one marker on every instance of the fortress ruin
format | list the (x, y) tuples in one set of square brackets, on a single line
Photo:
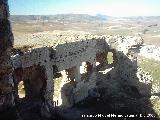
[(81, 67)]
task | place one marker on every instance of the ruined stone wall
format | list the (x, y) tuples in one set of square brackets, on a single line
[(6, 41), (76, 64), (64, 57), (130, 73)]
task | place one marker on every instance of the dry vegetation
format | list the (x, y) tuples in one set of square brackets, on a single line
[(151, 66)]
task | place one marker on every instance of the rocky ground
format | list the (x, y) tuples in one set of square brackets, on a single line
[(150, 52)]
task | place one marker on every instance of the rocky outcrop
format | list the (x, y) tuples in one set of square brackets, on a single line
[(151, 52)]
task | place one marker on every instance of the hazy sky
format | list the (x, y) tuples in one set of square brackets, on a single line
[(93, 7)]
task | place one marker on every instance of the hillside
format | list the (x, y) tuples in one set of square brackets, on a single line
[(59, 18)]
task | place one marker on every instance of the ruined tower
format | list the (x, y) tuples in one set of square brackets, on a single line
[(6, 42)]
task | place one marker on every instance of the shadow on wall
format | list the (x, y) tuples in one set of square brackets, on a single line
[(117, 90), (123, 94), (34, 79)]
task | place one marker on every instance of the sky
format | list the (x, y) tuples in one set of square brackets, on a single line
[(117, 8)]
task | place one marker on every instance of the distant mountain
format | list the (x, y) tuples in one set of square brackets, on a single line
[(59, 17), (104, 17)]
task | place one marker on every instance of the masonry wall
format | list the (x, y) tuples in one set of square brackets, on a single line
[(68, 59), (63, 57), (128, 70), (6, 80)]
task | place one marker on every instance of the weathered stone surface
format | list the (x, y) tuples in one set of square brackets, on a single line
[(6, 80)]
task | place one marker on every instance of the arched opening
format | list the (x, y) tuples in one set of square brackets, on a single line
[(110, 59), (30, 82), (21, 90), (85, 70)]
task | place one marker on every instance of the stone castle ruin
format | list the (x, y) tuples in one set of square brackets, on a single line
[(85, 76)]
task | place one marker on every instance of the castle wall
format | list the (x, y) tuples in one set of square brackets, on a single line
[(6, 42), (70, 57), (67, 57)]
